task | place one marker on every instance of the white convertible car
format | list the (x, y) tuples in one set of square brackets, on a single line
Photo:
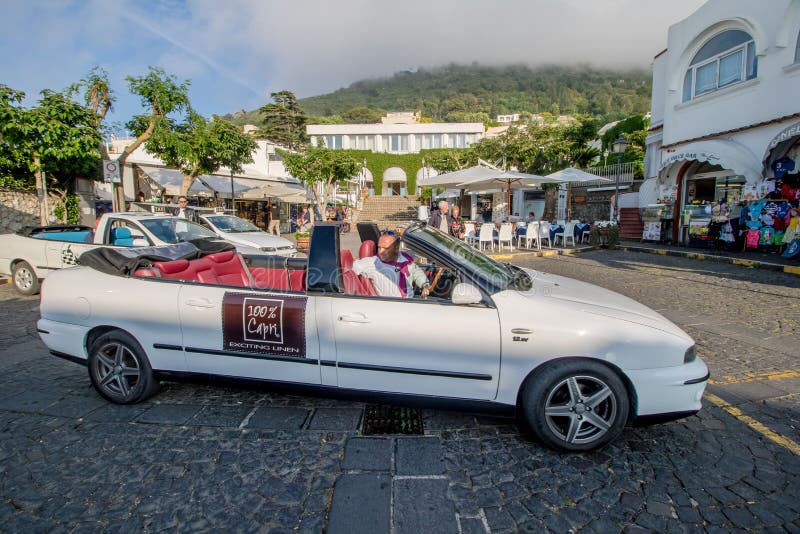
[(577, 361)]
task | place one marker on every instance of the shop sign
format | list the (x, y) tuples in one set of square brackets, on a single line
[(692, 155), (788, 133), (579, 200)]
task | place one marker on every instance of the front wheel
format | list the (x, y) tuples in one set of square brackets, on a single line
[(119, 369), (575, 405), (24, 278)]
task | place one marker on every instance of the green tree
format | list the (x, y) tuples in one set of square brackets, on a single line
[(98, 97), (199, 147), (319, 169), (284, 121), (161, 95), (362, 115), (56, 134)]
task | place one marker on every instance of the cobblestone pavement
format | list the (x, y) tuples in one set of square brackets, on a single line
[(199, 458)]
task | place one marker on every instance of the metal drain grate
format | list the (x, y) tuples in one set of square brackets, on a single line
[(380, 419)]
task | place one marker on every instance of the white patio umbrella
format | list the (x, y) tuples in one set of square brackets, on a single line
[(572, 175), (507, 180)]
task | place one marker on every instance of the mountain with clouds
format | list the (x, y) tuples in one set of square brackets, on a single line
[(476, 92)]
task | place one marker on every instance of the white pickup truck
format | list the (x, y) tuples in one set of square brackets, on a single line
[(33, 252)]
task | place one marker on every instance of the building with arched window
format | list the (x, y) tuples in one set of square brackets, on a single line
[(725, 122)]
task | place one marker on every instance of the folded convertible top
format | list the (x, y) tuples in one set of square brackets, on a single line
[(125, 261)]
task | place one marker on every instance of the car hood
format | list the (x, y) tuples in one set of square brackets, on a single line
[(258, 239), (595, 300)]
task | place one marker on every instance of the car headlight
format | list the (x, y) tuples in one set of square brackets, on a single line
[(689, 356)]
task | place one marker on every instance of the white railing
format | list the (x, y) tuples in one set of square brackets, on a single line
[(625, 170)]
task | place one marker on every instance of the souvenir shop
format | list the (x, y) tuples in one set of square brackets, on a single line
[(719, 201)]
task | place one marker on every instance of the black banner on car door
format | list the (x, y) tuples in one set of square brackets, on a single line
[(265, 325)]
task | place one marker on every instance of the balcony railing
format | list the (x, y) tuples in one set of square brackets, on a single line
[(626, 173)]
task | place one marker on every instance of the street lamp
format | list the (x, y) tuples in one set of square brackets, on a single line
[(618, 147)]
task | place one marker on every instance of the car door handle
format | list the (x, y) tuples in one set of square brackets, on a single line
[(354, 318), (521, 331), (200, 303)]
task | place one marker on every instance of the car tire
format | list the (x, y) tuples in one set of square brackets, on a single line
[(119, 369), (575, 404), (24, 278)]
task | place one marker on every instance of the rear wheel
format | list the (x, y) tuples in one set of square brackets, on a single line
[(575, 405), (119, 369), (24, 278)]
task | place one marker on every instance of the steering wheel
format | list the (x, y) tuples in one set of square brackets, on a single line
[(436, 277)]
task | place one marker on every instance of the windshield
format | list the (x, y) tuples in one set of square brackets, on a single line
[(471, 260), (231, 224), (175, 230)]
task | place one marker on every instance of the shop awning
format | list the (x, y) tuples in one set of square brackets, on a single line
[(209, 184), (171, 180), (284, 191), (727, 154)]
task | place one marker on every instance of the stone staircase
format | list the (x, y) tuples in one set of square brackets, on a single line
[(630, 225), (388, 211)]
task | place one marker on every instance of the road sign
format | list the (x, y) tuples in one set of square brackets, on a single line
[(111, 171)]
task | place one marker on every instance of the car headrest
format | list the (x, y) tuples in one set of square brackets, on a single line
[(367, 249), (221, 257), (347, 260), (172, 267), (121, 233)]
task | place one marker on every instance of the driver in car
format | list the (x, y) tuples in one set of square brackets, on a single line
[(393, 273)]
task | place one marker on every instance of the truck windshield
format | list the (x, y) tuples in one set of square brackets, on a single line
[(231, 225), (175, 230), (499, 275)]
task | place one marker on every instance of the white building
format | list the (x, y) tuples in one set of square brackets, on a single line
[(398, 133), (725, 111)]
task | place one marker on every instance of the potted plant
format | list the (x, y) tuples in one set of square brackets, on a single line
[(303, 239), (604, 232)]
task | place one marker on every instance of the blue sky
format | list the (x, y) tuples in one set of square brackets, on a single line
[(236, 52)]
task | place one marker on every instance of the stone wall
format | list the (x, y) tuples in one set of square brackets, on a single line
[(21, 208)]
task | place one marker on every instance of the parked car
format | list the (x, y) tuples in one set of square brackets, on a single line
[(578, 362), (29, 255), (242, 232)]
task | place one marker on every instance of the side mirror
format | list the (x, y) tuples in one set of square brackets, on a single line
[(140, 242), (466, 294)]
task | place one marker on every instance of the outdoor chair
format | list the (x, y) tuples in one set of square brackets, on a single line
[(470, 236), (505, 236), (532, 233), (544, 233), (486, 235), (567, 235)]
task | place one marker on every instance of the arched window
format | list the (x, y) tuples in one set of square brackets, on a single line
[(727, 58)]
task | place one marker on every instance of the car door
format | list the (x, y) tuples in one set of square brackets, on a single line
[(416, 346), (239, 332)]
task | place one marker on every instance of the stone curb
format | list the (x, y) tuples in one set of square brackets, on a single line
[(540, 253), (719, 259)]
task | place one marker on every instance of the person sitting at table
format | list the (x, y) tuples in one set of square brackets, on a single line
[(392, 272), (531, 217)]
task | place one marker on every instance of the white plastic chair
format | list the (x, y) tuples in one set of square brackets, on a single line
[(585, 234), (532, 233), (506, 235), (544, 233), (470, 236), (486, 235), (567, 235)]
